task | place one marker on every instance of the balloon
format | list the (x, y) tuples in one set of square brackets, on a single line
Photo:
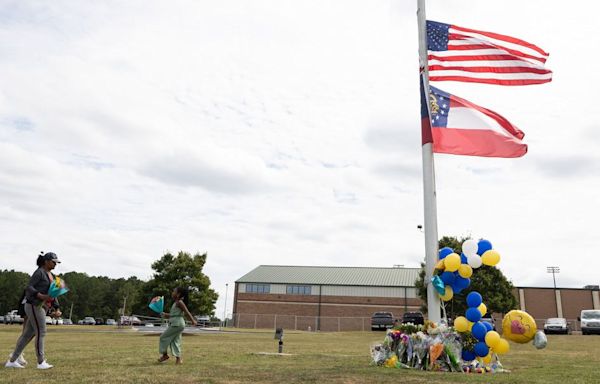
[(465, 270), (483, 246), (492, 338), (540, 340), (438, 284), (482, 308), (468, 355), (474, 261), (473, 314), (490, 258), (474, 299), (518, 326), (448, 277), (461, 324), (447, 296), (488, 326), (452, 262), (469, 247), (461, 283), (481, 349), (440, 265), (463, 258), (502, 346), (445, 252), (479, 330), (487, 359)]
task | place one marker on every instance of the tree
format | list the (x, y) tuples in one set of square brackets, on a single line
[(495, 288), (182, 270), (12, 284)]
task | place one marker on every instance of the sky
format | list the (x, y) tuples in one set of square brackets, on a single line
[(281, 132)]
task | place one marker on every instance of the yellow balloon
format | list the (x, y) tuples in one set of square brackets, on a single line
[(518, 326), (461, 324), (502, 346), (452, 262), (483, 309), (492, 338), (440, 265), (448, 295), (465, 271), (490, 258), (487, 359)]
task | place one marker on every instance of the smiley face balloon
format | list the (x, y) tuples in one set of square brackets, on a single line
[(518, 326)]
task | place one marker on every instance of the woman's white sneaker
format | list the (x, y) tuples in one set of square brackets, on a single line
[(44, 365), (13, 364)]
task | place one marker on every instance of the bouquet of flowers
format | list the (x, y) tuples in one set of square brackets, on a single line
[(157, 304), (57, 288)]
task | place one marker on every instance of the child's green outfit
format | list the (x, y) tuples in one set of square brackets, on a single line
[(172, 336)]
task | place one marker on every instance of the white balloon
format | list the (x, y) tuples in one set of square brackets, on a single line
[(474, 261), (469, 247)]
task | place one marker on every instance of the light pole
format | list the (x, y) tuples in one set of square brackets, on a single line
[(553, 271), (225, 306)]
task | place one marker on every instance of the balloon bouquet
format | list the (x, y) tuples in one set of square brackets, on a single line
[(480, 340)]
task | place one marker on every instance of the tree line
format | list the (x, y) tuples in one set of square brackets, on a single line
[(101, 296)]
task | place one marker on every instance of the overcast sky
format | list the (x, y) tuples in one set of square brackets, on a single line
[(281, 132)]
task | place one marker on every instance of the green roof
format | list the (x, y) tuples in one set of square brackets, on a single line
[(357, 276)]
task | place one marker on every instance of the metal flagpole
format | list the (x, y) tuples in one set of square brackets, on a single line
[(430, 207)]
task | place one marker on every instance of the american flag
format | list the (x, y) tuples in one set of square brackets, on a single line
[(462, 54)]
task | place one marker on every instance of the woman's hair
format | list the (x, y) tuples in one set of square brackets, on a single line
[(40, 260), (184, 294)]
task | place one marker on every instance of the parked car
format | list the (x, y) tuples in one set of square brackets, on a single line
[(99, 321), (59, 321), (490, 320), (13, 317), (130, 320), (556, 325), (80, 322), (203, 321), (111, 322), (67, 322), (88, 320), (382, 320), (590, 321), (48, 320), (413, 317)]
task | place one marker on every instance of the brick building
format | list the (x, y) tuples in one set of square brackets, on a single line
[(322, 298), (344, 298)]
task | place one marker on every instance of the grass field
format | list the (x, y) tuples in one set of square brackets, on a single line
[(100, 355)]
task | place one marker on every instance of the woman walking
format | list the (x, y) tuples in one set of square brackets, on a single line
[(38, 304), (171, 337)]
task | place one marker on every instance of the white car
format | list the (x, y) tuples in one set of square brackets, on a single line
[(48, 320), (590, 321), (556, 325), (111, 322)]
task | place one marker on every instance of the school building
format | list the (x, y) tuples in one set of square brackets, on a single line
[(345, 298)]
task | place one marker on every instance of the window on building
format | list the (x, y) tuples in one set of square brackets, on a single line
[(258, 288), (298, 289)]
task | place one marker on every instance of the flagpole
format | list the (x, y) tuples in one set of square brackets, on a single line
[(430, 206)]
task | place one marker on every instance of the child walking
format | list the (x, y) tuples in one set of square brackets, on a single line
[(171, 337)]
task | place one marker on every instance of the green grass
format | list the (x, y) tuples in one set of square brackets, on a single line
[(85, 355)]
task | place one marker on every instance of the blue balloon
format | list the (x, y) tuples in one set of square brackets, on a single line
[(488, 326), (468, 355), (445, 252), (482, 246), (481, 349), (473, 315), (479, 330), (461, 283), (463, 259), (448, 277), (474, 299)]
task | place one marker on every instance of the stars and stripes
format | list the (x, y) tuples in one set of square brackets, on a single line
[(467, 55)]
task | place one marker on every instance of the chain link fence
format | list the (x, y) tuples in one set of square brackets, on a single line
[(300, 323)]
